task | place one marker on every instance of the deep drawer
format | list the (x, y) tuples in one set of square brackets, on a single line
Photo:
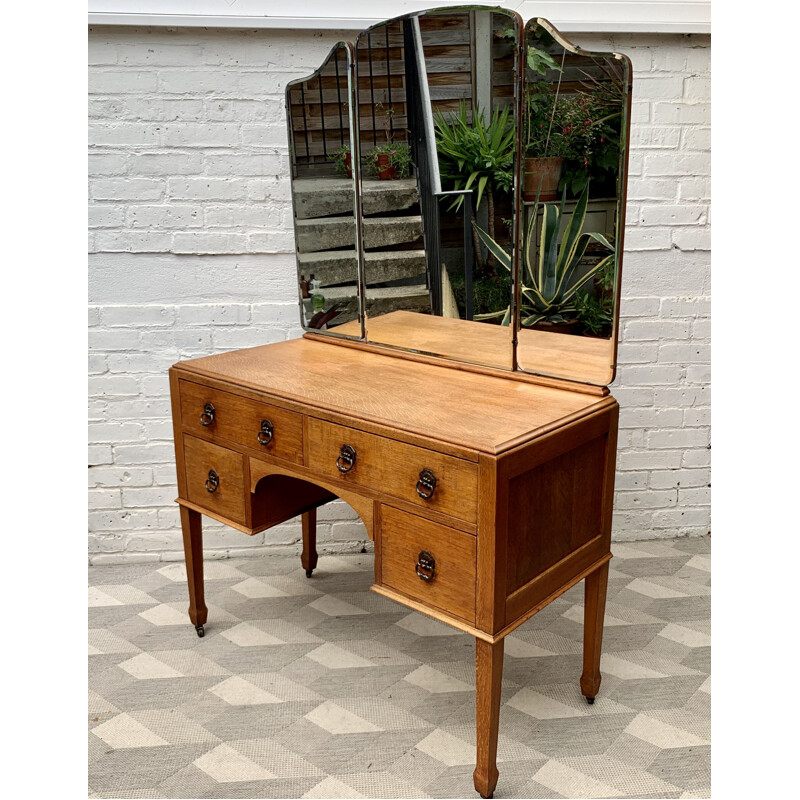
[(428, 479), (429, 562), (260, 426), (215, 478)]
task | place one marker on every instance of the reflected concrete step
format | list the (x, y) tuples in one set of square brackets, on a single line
[(398, 298), (328, 233), (325, 197), (339, 266), (383, 300)]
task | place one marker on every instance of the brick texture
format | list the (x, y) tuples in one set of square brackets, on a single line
[(191, 253)]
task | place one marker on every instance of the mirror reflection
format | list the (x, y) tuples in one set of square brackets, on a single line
[(323, 195), (438, 140), (459, 191), (575, 111)]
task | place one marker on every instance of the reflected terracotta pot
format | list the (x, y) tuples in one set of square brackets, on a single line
[(597, 335), (348, 164), (571, 326), (385, 171), (546, 170)]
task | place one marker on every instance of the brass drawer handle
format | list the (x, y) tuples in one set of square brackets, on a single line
[(207, 417), (426, 566), (212, 482), (426, 485), (347, 458), (266, 432)]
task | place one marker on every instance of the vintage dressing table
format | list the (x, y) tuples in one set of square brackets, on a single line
[(478, 450)]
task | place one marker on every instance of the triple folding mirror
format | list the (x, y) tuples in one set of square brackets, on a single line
[(458, 184)]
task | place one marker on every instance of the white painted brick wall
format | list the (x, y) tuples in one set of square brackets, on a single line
[(191, 253)]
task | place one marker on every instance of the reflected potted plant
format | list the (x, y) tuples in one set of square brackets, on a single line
[(543, 162), (552, 273), (478, 155), (569, 137), (390, 161), (559, 129), (343, 161)]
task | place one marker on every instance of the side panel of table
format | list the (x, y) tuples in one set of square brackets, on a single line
[(545, 519)]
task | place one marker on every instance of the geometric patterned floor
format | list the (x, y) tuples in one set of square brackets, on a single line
[(322, 689)]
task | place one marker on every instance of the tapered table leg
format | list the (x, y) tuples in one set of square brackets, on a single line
[(308, 558), (192, 525), (488, 680), (594, 612)]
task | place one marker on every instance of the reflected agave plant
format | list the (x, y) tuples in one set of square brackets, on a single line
[(551, 275)]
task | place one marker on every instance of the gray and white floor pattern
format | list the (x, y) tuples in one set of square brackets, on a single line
[(322, 689)]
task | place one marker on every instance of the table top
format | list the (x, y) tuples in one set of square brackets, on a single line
[(478, 412)]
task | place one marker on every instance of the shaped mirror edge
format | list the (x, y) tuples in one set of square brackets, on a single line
[(324, 167), (421, 297), (602, 82)]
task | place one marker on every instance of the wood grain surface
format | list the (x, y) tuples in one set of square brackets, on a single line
[(238, 419), (488, 690), (393, 468), (479, 412), (403, 537), (228, 500)]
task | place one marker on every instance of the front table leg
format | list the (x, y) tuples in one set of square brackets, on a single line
[(488, 680), (308, 557), (192, 525), (594, 613)]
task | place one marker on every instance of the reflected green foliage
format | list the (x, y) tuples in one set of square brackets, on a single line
[(552, 271), (573, 110), (475, 155), (595, 312), (489, 293), (478, 156), (595, 307), (341, 160)]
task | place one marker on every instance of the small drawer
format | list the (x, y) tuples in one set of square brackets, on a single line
[(429, 562), (215, 478), (216, 415), (428, 479)]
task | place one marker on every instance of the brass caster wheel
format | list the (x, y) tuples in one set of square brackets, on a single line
[(201, 631), (590, 700), (309, 573)]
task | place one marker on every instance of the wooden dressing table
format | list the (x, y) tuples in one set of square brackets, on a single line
[(486, 497), (479, 456)]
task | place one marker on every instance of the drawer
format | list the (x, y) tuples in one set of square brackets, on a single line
[(224, 495), (395, 468), (242, 421), (411, 545)]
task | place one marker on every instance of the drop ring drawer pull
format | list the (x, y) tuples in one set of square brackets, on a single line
[(426, 485), (266, 432), (347, 458), (426, 566), (207, 417), (212, 482)]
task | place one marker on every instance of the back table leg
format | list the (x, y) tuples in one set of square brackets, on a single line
[(192, 525), (594, 613), (308, 557)]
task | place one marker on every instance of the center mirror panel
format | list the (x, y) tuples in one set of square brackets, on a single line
[(324, 198), (438, 139)]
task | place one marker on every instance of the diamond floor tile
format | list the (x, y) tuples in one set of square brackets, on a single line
[(321, 689)]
